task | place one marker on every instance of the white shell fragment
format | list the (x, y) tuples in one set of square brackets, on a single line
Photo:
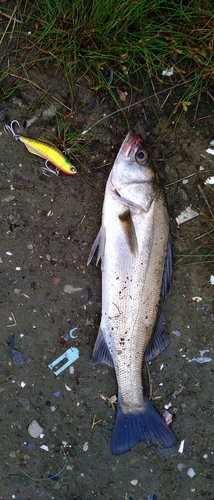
[(210, 151), (134, 482), (191, 472), (181, 447), (35, 429), (212, 279), (197, 299), (209, 180), (44, 447), (187, 215)]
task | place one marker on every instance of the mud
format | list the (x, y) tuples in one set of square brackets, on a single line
[(47, 227)]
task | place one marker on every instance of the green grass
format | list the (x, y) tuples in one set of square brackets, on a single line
[(88, 39)]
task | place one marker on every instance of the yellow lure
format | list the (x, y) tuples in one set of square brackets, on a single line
[(46, 150)]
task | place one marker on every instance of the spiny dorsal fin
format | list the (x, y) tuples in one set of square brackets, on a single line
[(129, 231)]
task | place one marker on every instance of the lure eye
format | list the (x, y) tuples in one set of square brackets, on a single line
[(142, 156), (73, 169)]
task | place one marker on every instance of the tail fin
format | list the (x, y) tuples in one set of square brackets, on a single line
[(149, 426)]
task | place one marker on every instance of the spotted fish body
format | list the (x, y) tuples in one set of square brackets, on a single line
[(135, 250)]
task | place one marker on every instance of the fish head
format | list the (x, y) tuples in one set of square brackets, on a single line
[(133, 163)]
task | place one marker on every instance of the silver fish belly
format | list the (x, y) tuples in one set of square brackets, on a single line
[(135, 250)]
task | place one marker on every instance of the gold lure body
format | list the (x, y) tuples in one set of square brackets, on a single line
[(46, 150)]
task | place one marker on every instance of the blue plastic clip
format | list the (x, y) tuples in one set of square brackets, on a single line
[(71, 354)]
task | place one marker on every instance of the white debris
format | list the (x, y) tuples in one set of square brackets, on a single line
[(197, 299), (85, 446), (168, 72), (181, 447), (201, 167), (202, 352), (35, 429), (134, 482), (201, 360), (210, 151), (167, 406), (68, 388), (44, 447), (23, 384), (187, 215), (191, 472), (212, 279), (176, 333), (209, 180), (71, 289), (185, 181)]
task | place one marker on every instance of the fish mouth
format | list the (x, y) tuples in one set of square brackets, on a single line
[(132, 139)]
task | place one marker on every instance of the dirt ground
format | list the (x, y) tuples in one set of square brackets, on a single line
[(47, 227)]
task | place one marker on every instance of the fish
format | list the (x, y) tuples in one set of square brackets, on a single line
[(135, 249), (45, 149)]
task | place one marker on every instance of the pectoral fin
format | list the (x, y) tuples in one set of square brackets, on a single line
[(98, 242), (129, 231)]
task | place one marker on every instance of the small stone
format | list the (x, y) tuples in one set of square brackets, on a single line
[(85, 446), (25, 403), (134, 482), (191, 472), (35, 430)]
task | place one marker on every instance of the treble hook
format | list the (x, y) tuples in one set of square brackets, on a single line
[(47, 169), (8, 129)]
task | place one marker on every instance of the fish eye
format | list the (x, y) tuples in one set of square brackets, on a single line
[(142, 156), (73, 169)]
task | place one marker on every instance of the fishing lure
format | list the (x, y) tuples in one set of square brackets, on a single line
[(46, 150)]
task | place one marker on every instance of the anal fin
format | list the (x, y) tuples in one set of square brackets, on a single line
[(101, 352), (160, 340)]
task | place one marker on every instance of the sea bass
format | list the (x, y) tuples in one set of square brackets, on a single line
[(136, 262)]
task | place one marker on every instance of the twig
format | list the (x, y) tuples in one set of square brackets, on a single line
[(150, 380), (95, 422), (186, 177), (38, 87), (205, 234), (206, 201), (14, 321), (8, 24)]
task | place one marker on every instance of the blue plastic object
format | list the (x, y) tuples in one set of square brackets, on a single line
[(71, 354)]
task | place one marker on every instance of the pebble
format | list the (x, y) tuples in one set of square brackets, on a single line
[(17, 357), (25, 403), (134, 482), (191, 472), (35, 429), (85, 446)]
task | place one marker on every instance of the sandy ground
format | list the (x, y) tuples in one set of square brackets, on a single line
[(47, 227)]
